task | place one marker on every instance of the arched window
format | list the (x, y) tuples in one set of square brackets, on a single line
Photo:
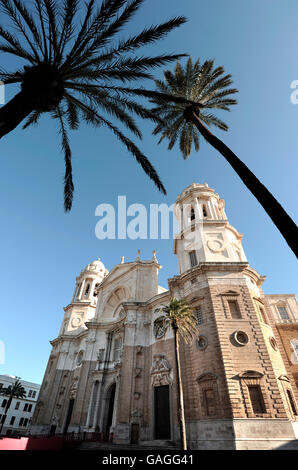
[(117, 349), (77, 292), (205, 213), (87, 289), (192, 214)]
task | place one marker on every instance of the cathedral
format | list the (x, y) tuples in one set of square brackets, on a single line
[(111, 371)]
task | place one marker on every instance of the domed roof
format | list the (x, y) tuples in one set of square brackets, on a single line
[(96, 266)]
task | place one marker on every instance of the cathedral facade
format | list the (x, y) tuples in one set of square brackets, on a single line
[(112, 372)]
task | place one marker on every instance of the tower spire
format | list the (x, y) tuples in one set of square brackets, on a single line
[(205, 234)]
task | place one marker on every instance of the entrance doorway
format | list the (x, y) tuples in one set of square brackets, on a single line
[(69, 413), (110, 404), (53, 430), (162, 421), (135, 431)]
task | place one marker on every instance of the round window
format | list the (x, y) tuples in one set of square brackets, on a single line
[(273, 343), (202, 343), (241, 338)]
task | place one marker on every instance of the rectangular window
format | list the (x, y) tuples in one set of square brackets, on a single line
[(209, 402), (12, 420), (283, 313), (234, 309), (291, 400), (30, 393), (34, 394), (256, 399), (199, 315), (4, 403), (117, 349), (25, 406), (17, 405), (193, 259), (25, 422), (29, 408), (21, 422)]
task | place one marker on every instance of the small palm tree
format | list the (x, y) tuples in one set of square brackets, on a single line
[(12, 391), (208, 89), (74, 71), (180, 316)]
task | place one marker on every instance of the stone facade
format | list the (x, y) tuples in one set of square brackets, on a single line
[(111, 372)]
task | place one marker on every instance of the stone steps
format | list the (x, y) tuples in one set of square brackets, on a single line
[(145, 445)]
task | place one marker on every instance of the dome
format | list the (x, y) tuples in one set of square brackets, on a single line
[(96, 266)]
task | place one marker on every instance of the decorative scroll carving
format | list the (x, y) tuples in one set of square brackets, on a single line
[(161, 371)]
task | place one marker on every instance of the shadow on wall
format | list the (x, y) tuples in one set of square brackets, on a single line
[(293, 445)]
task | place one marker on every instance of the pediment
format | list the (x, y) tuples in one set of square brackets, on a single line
[(118, 271), (230, 292)]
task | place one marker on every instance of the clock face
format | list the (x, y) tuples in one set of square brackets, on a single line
[(159, 330)]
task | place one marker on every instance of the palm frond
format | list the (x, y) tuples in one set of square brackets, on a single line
[(206, 87), (12, 12), (68, 183), (32, 119), (70, 8), (93, 117), (14, 46), (52, 14), (28, 18)]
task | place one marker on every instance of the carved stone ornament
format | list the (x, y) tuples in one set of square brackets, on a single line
[(161, 371), (137, 413), (216, 245), (55, 420), (74, 388)]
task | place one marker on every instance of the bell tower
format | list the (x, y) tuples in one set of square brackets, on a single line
[(205, 234), (83, 304)]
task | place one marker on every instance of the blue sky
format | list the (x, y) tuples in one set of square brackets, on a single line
[(43, 249)]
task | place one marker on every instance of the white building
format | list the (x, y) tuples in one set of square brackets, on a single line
[(21, 410)]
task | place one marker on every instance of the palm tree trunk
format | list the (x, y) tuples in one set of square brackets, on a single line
[(180, 393), (278, 215), (13, 113)]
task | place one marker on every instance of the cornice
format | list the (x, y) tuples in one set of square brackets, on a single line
[(81, 303), (204, 267)]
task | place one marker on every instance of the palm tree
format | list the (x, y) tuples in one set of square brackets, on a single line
[(12, 391), (74, 71), (207, 88), (180, 317)]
